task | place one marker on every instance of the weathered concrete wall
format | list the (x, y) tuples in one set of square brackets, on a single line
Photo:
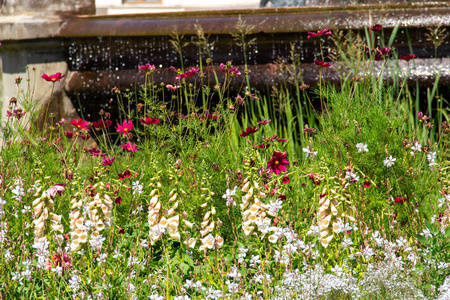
[(23, 7)]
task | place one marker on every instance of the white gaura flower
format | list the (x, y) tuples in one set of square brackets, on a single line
[(229, 193), (362, 147), (389, 161)]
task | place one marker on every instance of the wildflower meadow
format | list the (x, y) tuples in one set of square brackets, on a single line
[(193, 190)]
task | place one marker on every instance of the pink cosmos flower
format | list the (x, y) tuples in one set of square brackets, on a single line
[(102, 124), (408, 57), (227, 69), (319, 33), (53, 78), (376, 27), (422, 117), (321, 64), (249, 131), (108, 161), (147, 67), (126, 126), (264, 122), (187, 74), (149, 121), (172, 88), (367, 184), (278, 163), (80, 123), (286, 179), (129, 147), (247, 92)]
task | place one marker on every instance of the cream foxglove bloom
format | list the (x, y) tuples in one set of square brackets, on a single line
[(326, 241)]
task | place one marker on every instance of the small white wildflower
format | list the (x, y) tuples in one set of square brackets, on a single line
[(389, 161), (362, 147)]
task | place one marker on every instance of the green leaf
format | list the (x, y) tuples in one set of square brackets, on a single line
[(422, 239), (447, 232)]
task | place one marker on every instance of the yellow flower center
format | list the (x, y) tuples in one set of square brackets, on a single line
[(277, 162), (53, 79), (125, 129)]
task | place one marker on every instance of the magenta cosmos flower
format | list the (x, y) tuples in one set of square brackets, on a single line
[(108, 161), (188, 74), (129, 147), (319, 33), (126, 126), (278, 163), (80, 123), (53, 78), (147, 67)]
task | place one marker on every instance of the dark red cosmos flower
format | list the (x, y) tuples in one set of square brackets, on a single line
[(179, 115), (108, 161), (68, 134), (102, 124), (278, 163), (53, 78), (208, 116), (80, 123), (263, 146), (408, 57), (319, 33), (85, 136), (149, 121), (376, 27), (118, 200), (400, 200), (282, 197), (248, 131), (188, 74), (125, 174), (321, 64), (281, 140), (367, 184), (121, 231), (264, 122), (286, 179)]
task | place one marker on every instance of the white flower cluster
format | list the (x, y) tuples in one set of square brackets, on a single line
[(95, 218)]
